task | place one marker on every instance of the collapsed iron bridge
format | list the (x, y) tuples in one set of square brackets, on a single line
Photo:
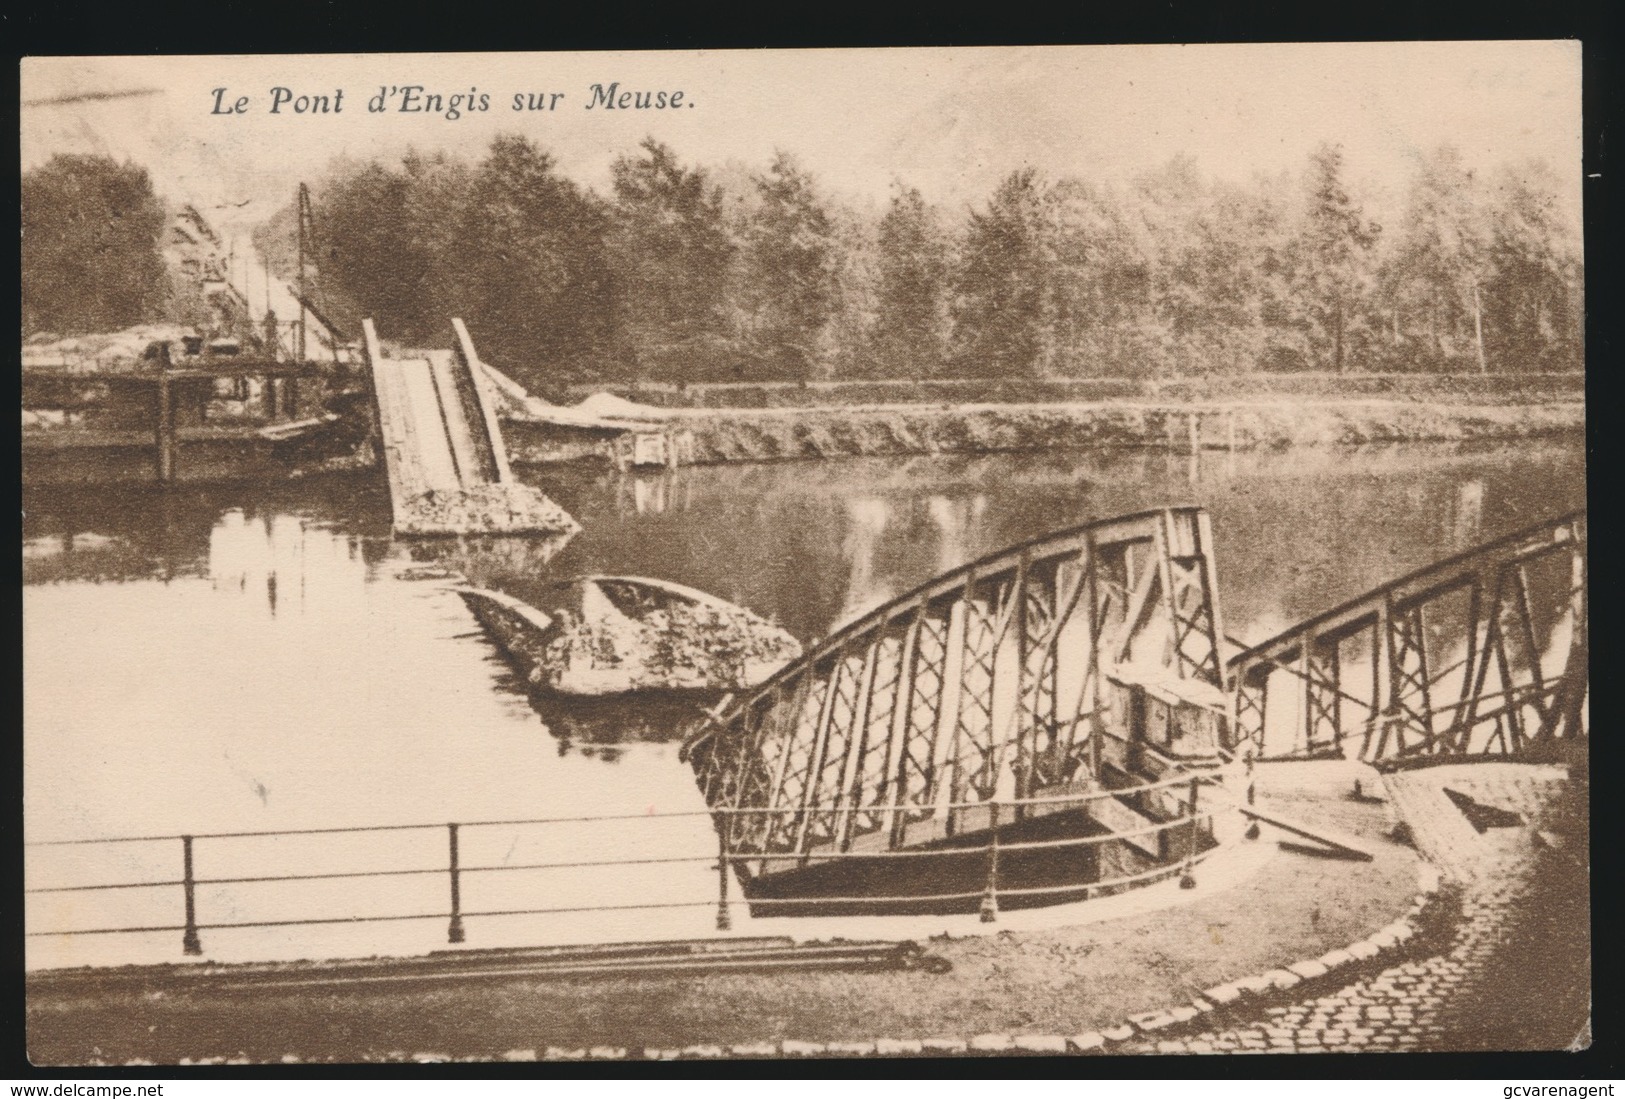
[(1066, 718)]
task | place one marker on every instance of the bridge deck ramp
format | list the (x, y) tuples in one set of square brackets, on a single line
[(443, 451)]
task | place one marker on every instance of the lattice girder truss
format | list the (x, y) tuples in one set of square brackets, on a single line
[(985, 683), (1483, 653)]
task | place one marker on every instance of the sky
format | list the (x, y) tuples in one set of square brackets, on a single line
[(949, 121)]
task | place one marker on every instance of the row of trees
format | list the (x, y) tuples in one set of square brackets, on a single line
[(682, 273), (685, 274), (1176, 275), (91, 261)]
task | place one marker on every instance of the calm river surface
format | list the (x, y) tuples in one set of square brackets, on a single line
[(251, 658)]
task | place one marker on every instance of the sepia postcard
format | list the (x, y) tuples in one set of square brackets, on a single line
[(758, 555)]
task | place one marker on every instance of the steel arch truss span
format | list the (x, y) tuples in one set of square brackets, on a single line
[(1482, 653), (986, 683)]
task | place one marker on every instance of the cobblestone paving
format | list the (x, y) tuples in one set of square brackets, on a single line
[(1514, 975)]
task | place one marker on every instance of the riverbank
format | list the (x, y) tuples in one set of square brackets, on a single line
[(1492, 954), (1483, 389), (756, 435), (1270, 907), (727, 423), (1274, 425)]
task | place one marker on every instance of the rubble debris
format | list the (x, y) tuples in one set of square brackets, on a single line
[(610, 407), (609, 635), (127, 350), (509, 507)]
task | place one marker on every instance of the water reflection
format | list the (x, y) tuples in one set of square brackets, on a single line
[(501, 562), (866, 519), (100, 534), (808, 543), (600, 728), (952, 520), (235, 658), (255, 670), (643, 493), (1467, 517)]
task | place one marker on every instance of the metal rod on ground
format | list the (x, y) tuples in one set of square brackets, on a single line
[(454, 933), (990, 897), (190, 943), (724, 919), (1187, 880)]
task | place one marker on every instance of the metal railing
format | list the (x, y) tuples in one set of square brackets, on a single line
[(1193, 808)]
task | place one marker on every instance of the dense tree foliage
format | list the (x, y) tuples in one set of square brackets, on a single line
[(1533, 309), (688, 273), (532, 263), (792, 257), (92, 233), (1003, 284), (371, 250), (912, 289), (1439, 269), (1335, 266), (671, 252)]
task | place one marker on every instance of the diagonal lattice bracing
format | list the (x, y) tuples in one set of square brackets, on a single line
[(984, 682), (835, 740), (1323, 702), (795, 772), (1484, 653), (868, 789), (972, 761), (922, 686)]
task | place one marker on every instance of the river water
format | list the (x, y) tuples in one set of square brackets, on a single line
[(258, 658)]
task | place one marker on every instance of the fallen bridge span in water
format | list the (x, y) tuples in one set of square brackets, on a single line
[(443, 449)]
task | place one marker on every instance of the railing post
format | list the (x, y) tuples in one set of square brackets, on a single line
[(1187, 880), (454, 933), (990, 896), (190, 943), (724, 917), (164, 427)]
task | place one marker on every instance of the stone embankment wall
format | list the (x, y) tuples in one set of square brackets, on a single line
[(974, 429), (754, 422), (1466, 388)]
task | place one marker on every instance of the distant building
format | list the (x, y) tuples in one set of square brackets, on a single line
[(200, 265), (215, 279)]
